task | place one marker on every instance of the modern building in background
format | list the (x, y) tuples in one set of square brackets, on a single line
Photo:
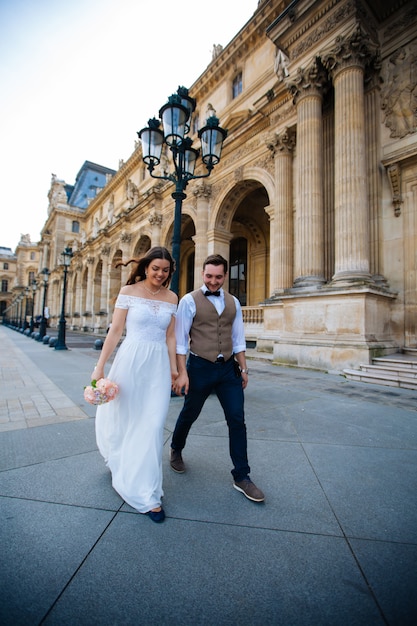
[(314, 202)]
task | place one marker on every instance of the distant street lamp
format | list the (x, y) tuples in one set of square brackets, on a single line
[(60, 343), (34, 287), (42, 326), (176, 122), (20, 300), (25, 321)]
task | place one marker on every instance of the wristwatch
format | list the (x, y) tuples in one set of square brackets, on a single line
[(244, 371)]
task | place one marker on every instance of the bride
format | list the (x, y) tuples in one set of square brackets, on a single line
[(129, 429)]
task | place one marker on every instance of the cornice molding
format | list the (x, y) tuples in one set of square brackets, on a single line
[(242, 45)]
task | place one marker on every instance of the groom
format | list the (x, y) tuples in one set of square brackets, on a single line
[(209, 323)]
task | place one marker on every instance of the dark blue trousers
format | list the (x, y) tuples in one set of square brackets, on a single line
[(206, 377)]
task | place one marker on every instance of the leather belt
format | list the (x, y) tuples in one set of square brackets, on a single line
[(220, 359)]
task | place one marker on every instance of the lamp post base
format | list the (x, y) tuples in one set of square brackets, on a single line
[(60, 343)]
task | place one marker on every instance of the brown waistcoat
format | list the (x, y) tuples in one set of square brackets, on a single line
[(211, 333)]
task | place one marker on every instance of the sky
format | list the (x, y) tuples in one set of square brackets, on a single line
[(79, 78)]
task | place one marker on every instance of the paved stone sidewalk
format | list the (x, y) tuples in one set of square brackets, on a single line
[(28, 398), (334, 544)]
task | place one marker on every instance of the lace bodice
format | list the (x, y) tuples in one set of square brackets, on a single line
[(147, 320)]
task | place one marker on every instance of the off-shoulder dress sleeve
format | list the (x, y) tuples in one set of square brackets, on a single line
[(122, 302)]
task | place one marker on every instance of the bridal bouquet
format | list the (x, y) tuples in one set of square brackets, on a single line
[(100, 391)]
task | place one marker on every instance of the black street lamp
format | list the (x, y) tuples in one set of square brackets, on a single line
[(34, 287), (176, 122), (42, 326), (60, 342), (20, 300), (25, 321)]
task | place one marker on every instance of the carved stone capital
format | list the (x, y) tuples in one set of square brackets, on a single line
[(125, 237), (281, 143), (90, 260), (307, 81), (105, 250), (353, 49), (202, 190), (155, 219)]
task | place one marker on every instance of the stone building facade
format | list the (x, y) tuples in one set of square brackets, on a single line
[(8, 273), (313, 202)]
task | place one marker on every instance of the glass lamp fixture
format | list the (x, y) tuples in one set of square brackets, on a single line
[(152, 139), (67, 256), (174, 116), (190, 156), (211, 137)]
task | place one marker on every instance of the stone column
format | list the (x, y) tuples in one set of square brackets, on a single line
[(307, 89), (218, 242), (104, 294), (90, 289), (79, 289), (346, 65), (155, 220), (202, 194), (125, 239), (281, 219)]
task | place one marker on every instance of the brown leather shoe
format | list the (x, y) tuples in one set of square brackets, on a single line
[(176, 462), (249, 489)]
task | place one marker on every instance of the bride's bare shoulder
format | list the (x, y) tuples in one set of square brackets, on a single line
[(172, 297)]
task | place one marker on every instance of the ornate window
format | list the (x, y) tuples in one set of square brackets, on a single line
[(75, 226), (237, 85)]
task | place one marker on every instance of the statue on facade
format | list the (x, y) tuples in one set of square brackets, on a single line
[(57, 194), (211, 111), (399, 97), (132, 193), (217, 50), (281, 65)]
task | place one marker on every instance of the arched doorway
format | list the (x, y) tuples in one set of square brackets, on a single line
[(243, 213)]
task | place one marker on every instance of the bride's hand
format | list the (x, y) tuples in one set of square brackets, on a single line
[(98, 372)]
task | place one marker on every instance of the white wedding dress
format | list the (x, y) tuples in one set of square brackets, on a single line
[(129, 429)]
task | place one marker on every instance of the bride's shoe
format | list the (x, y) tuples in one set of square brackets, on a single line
[(157, 516)]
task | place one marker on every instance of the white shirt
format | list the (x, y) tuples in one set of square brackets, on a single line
[(186, 313)]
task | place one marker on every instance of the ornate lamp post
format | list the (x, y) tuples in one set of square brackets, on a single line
[(60, 343), (15, 312), (34, 286), (25, 320), (176, 116), (42, 327), (20, 300)]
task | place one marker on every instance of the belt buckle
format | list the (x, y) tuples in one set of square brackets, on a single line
[(220, 359)]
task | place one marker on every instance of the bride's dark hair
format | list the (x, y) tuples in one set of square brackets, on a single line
[(138, 272)]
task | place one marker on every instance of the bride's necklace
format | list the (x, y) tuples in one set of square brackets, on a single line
[(153, 293)]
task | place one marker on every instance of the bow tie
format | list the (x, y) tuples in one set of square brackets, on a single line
[(211, 293)]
